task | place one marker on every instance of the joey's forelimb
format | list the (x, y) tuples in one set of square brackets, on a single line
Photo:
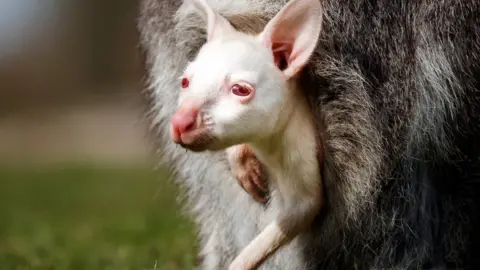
[(249, 171)]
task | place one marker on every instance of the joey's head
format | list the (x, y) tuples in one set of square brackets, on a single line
[(238, 88)]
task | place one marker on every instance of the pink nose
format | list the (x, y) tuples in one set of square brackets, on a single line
[(183, 121)]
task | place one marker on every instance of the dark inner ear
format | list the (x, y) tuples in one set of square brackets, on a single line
[(281, 53), (280, 60)]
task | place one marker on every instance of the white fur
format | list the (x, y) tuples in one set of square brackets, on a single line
[(241, 58), (270, 123), (226, 216)]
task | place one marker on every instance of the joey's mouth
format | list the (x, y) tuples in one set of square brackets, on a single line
[(198, 140)]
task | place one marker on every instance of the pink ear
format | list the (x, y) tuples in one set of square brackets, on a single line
[(217, 24), (293, 33)]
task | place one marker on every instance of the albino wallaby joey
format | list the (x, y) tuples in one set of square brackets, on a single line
[(241, 91)]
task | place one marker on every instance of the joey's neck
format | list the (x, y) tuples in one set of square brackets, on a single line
[(295, 133)]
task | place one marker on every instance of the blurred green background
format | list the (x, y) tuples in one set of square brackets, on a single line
[(77, 185)]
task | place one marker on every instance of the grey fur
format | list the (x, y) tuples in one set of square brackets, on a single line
[(395, 88)]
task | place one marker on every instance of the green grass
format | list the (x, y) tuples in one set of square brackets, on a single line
[(74, 217)]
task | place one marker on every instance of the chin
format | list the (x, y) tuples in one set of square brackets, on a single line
[(213, 146), (199, 141), (196, 147)]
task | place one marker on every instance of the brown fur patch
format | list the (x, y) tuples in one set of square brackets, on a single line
[(254, 181), (250, 23)]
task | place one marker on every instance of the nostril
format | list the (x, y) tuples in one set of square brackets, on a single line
[(184, 120), (189, 127), (186, 124)]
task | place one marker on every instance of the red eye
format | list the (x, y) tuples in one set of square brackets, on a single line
[(240, 90), (185, 83)]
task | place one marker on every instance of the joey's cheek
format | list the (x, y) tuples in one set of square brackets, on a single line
[(226, 112)]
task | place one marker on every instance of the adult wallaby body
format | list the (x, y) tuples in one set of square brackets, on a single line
[(241, 91), (394, 87)]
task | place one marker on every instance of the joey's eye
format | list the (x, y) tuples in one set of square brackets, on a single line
[(240, 90), (185, 83)]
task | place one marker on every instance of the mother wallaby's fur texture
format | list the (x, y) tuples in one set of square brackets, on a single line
[(396, 87)]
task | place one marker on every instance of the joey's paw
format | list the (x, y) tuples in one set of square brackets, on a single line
[(248, 170)]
